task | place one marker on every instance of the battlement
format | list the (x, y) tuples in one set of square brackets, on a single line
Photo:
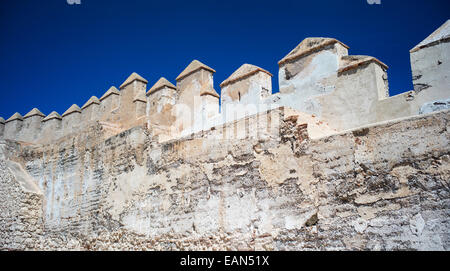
[(163, 167), (331, 90)]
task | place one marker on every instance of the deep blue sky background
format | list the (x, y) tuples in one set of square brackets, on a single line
[(53, 54)]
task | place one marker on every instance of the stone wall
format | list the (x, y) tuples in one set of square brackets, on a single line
[(382, 187), (2, 127), (21, 220), (331, 162)]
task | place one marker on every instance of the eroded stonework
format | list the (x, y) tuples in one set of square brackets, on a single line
[(380, 188), (331, 162)]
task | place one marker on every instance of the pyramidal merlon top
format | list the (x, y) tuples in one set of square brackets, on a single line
[(442, 33), (34, 112), (353, 61), (162, 82), (111, 91), (133, 77), (92, 100), (73, 109), (16, 116), (243, 71), (307, 46), (53, 115), (193, 67)]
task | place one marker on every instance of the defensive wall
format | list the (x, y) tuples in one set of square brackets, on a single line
[(330, 162), (332, 90)]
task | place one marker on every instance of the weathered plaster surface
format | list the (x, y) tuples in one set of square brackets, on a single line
[(379, 188), (341, 166), (435, 106)]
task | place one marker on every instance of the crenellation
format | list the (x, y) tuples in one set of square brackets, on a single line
[(51, 127), (71, 120), (309, 72), (13, 126), (34, 112), (310, 69), (161, 99), (248, 85), (430, 65), (193, 67), (311, 46), (109, 102), (166, 169), (140, 103), (350, 63), (90, 111), (32, 126), (134, 86), (355, 99), (330, 90), (196, 91), (133, 78)]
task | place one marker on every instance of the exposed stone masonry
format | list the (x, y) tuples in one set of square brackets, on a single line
[(329, 163)]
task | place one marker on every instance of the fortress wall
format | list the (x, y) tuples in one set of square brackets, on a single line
[(71, 123), (360, 93), (21, 209), (297, 177), (163, 97), (251, 89), (396, 107), (51, 130), (127, 110), (2, 128), (65, 172), (90, 114), (266, 85), (317, 78), (313, 73), (140, 109), (161, 116), (12, 129), (282, 193), (190, 88), (160, 105), (109, 108), (31, 130), (210, 107), (430, 64), (353, 103), (248, 90), (306, 74), (105, 104), (71, 173), (431, 77), (382, 82), (263, 125)]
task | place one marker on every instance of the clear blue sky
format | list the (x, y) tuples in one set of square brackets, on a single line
[(54, 54)]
